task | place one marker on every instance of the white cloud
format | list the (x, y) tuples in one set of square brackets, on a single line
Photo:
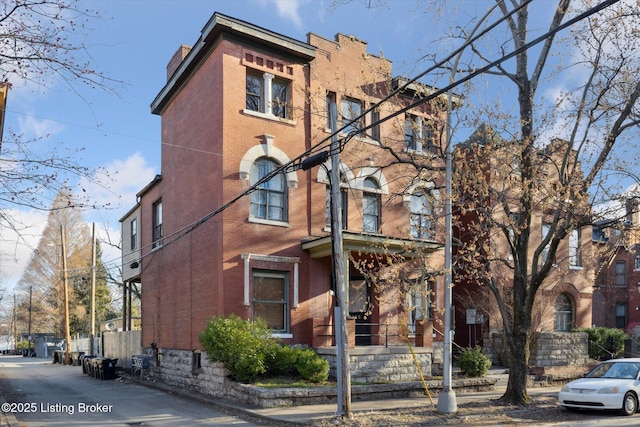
[(34, 127), (287, 9), (121, 181)]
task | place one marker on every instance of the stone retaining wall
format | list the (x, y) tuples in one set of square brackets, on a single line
[(547, 349), (382, 364)]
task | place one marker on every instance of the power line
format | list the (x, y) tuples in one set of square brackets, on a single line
[(297, 162)]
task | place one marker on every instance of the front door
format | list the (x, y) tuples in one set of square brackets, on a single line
[(360, 308)]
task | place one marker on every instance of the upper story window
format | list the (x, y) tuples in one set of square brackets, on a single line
[(621, 273), (269, 201), (157, 224), (344, 198), (134, 233), (371, 206), (575, 251), (636, 265), (268, 94), (351, 109), (421, 216), (419, 134), (546, 228)]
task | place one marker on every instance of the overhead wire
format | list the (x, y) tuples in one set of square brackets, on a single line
[(296, 163)]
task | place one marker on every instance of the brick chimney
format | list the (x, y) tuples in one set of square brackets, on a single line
[(177, 59)]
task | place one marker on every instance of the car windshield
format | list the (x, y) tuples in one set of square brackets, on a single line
[(615, 370)]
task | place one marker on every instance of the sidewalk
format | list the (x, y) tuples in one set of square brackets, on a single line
[(303, 415)]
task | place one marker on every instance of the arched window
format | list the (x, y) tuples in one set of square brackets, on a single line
[(269, 201), (421, 216), (370, 206), (563, 313), (344, 196)]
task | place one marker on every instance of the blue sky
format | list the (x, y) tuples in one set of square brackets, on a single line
[(132, 43)]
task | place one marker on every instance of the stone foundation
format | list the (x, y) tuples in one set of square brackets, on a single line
[(382, 364), (547, 349)]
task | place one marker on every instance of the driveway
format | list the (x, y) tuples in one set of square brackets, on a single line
[(39, 393)]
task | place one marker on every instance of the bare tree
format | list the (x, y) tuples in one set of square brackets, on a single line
[(40, 288), (43, 46), (553, 164), (560, 115)]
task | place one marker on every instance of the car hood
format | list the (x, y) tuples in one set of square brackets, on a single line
[(598, 383)]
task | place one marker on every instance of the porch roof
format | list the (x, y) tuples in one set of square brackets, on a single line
[(370, 243)]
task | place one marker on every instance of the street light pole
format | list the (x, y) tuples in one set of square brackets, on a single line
[(447, 398)]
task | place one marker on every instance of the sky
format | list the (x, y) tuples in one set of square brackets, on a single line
[(133, 41)]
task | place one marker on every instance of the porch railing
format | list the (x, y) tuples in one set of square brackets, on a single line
[(373, 334)]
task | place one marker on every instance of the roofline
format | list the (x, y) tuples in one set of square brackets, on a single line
[(156, 179), (215, 28)]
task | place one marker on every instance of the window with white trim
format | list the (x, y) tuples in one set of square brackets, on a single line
[(421, 220), (371, 206), (575, 252), (420, 303), (419, 134), (270, 300), (134, 233), (157, 224), (269, 200), (268, 94), (351, 109), (636, 265), (563, 313)]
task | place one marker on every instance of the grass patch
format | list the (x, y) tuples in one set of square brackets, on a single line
[(289, 382)]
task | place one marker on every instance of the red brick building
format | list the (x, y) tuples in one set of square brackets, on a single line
[(238, 105), (616, 295)]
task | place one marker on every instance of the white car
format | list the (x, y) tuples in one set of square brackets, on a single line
[(612, 384)]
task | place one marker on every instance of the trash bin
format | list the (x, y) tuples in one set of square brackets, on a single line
[(85, 361), (109, 369)]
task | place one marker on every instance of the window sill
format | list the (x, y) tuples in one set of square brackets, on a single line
[(575, 267), (269, 117), (365, 138), (281, 335), (418, 152), (255, 220)]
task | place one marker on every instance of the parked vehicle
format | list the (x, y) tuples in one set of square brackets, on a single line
[(612, 384)]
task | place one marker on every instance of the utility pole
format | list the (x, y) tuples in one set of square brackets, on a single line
[(65, 283), (93, 290), (342, 344), (343, 366)]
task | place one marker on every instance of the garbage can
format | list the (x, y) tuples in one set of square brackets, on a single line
[(109, 369), (85, 361)]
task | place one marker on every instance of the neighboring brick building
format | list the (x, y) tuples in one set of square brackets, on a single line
[(616, 295), (239, 104), (563, 300)]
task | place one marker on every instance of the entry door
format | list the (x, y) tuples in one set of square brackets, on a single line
[(360, 308)]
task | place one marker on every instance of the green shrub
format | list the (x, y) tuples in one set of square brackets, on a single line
[(284, 362), (244, 347), (605, 343), (473, 362), (312, 367)]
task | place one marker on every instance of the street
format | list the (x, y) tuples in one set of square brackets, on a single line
[(39, 393)]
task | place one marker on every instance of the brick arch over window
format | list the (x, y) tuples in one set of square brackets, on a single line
[(266, 149), (376, 174)]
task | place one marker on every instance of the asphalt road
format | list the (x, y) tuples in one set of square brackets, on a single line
[(39, 393)]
